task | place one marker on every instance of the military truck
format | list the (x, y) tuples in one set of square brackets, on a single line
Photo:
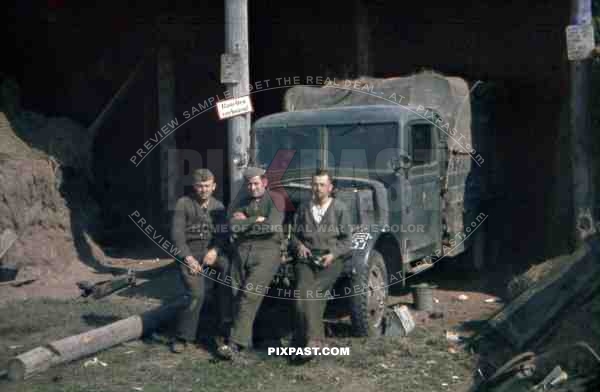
[(412, 170)]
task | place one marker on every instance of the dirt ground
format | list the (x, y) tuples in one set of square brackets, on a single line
[(61, 284), (425, 359)]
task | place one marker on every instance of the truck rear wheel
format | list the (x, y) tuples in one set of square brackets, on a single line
[(368, 306)]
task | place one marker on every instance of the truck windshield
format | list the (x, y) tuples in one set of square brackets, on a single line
[(353, 145), (359, 144), (305, 140)]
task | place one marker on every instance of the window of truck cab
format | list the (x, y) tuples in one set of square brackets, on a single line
[(304, 139), (422, 143), (356, 146)]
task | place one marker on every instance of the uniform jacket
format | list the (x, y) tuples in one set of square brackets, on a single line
[(247, 229), (195, 229), (331, 234)]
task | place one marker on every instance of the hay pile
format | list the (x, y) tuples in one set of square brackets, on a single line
[(44, 197), (30, 135)]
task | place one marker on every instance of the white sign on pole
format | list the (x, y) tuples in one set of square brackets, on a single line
[(234, 107), (580, 41), (231, 68)]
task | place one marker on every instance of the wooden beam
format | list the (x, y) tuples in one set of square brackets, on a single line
[(581, 139), (166, 114), (75, 347), (530, 313), (19, 282), (109, 107), (363, 38)]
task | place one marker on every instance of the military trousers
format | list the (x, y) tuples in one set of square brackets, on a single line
[(257, 263), (314, 285), (211, 284)]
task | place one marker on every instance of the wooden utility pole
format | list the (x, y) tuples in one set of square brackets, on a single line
[(237, 81), (581, 140)]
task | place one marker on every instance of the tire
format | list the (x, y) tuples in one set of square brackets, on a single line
[(368, 308)]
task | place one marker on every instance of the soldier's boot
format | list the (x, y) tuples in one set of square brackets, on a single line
[(238, 355), (178, 346), (222, 349), (224, 352)]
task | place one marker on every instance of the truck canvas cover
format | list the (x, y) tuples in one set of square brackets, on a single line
[(449, 96)]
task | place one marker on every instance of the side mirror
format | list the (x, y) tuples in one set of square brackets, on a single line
[(401, 163), (405, 162)]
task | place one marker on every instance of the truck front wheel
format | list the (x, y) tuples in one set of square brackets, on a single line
[(369, 296)]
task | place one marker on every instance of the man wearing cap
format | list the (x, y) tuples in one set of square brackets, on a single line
[(199, 230), (256, 223)]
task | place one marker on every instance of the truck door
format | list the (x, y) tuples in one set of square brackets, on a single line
[(421, 217)]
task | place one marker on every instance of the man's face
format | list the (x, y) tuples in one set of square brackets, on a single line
[(256, 186), (321, 187), (204, 189)]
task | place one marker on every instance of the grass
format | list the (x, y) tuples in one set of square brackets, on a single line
[(419, 362)]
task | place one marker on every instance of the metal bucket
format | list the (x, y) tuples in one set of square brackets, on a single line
[(423, 296)]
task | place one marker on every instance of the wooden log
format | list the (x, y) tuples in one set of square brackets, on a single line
[(75, 347), (33, 361), (532, 311)]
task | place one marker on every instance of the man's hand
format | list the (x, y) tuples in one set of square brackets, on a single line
[(239, 215), (193, 265), (260, 219), (327, 260), (303, 251), (210, 258)]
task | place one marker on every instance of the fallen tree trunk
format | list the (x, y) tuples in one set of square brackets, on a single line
[(75, 347)]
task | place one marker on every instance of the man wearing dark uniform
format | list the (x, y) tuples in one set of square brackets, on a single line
[(199, 230), (256, 223), (321, 231)]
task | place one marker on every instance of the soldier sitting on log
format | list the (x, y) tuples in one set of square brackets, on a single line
[(199, 230)]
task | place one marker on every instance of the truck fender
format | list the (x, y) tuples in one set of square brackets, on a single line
[(362, 244)]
